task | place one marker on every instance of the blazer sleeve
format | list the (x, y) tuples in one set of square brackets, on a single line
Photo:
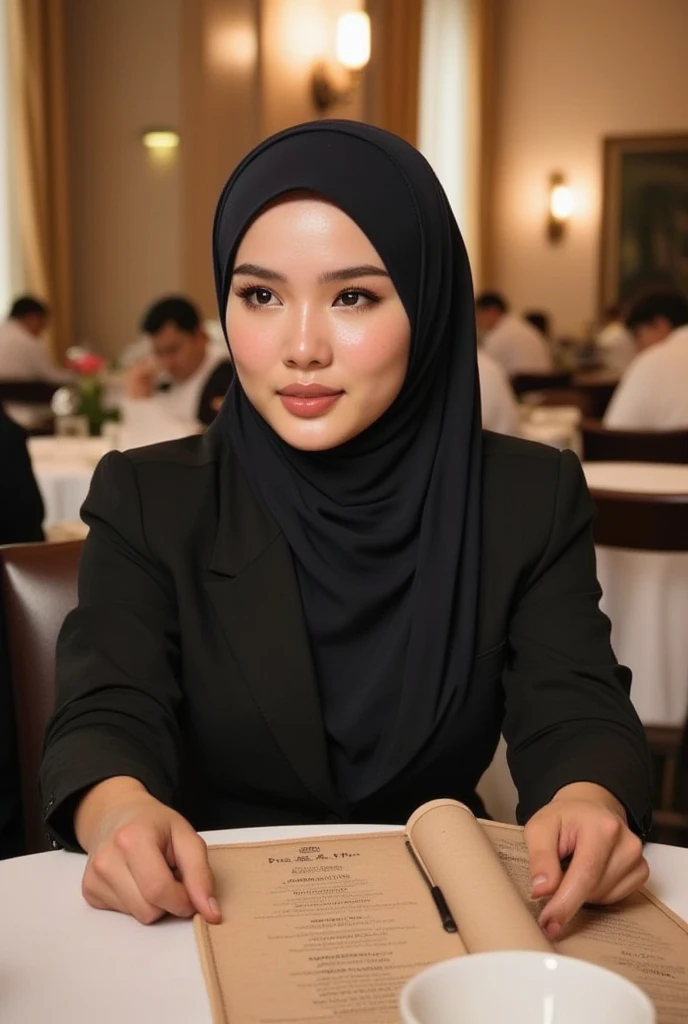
[(118, 654), (568, 714)]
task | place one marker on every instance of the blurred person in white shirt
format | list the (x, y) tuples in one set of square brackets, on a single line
[(653, 393), (179, 386), (497, 399), (143, 346), (615, 342), (509, 339), (24, 358)]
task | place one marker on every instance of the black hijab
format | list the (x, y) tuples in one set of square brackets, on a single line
[(384, 529)]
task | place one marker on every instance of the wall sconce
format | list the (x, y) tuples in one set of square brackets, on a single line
[(158, 139), (560, 207), (353, 53)]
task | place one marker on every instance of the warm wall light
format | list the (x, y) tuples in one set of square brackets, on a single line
[(560, 207), (353, 40), (353, 53), (160, 139)]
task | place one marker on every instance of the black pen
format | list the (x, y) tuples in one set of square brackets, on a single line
[(448, 922)]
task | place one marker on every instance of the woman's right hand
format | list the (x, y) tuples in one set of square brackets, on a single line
[(144, 859)]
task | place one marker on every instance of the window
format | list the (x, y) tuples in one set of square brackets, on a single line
[(10, 271)]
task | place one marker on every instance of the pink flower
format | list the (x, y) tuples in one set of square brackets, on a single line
[(87, 365)]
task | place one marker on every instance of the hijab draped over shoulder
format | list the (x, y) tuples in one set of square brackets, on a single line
[(383, 529)]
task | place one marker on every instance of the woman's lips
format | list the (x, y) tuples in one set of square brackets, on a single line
[(308, 400)]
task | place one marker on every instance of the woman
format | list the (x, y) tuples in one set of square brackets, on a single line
[(327, 607)]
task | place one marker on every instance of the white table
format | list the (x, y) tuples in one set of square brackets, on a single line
[(645, 594), (62, 962), (63, 467)]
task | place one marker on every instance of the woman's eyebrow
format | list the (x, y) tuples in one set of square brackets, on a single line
[(347, 273), (253, 270)]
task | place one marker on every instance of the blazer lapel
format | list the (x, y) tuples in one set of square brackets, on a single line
[(255, 594)]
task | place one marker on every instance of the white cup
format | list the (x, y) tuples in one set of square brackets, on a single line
[(522, 988)]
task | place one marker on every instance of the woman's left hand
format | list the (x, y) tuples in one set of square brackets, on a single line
[(585, 822)]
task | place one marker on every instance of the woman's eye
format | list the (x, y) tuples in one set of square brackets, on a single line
[(355, 297), (257, 296)]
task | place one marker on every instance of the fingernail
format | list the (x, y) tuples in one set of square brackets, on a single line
[(538, 881), (213, 905), (552, 930)]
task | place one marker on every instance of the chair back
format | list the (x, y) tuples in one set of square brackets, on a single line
[(27, 392), (597, 390), (641, 522), (38, 586), (601, 444), (522, 382), (653, 522)]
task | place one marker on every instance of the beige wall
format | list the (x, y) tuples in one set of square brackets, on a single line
[(294, 35), (141, 229), (220, 121), (123, 60), (567, 75)]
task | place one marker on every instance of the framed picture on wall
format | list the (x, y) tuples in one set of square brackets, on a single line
[(644, 216)]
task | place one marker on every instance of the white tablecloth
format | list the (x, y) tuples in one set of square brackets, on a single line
[(646, 597), (63, 467), (62, 962)]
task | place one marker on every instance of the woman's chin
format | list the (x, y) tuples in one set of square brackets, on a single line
[(313, 435)]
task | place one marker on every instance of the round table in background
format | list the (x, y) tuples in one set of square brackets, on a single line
[(645, 594), (63, 467)]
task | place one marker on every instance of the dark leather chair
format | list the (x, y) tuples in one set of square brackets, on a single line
[(38, 586), (654, 522), (524, 382), (27, 392), (601, 444), (596, 389), (31, 392)]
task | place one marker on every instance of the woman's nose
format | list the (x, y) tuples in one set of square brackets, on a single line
[(307, 343)]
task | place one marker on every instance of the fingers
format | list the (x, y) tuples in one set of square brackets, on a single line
[(583, 877), (191, 858), (628, 884), (131, 874), (607, 866), (111, 887), (542, 838), (151, 873)]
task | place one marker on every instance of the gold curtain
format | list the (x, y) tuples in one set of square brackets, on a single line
[(482, 131), (39, 172), (396, 26)]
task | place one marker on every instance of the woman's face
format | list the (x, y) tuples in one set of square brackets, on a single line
[(319, 336)]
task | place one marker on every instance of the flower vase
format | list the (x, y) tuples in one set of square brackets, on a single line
[(91, 390)]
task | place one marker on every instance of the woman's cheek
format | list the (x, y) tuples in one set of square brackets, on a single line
[(255, 349)]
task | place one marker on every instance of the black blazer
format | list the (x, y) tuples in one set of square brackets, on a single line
[(186, 664)]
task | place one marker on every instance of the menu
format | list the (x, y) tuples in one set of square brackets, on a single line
[(330, 929)]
